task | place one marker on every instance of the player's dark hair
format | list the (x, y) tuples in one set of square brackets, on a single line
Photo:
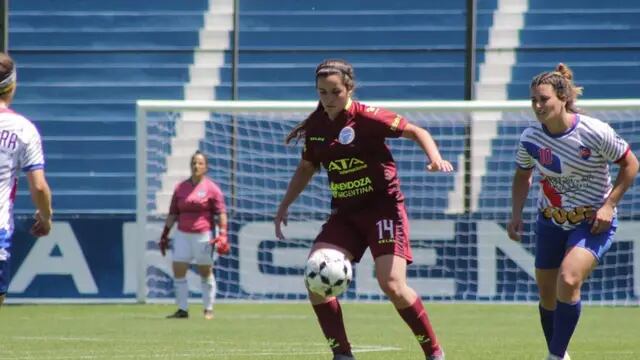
[(337, 67), (198, 152), (325, 69), (561, 79)]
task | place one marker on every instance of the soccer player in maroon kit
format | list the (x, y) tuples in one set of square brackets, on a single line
[(367, 207)]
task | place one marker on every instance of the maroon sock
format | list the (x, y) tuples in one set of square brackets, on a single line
[(330, 318), (416, 317)]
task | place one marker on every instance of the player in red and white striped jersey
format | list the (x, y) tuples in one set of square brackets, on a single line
[(20, 150), (577, 202)]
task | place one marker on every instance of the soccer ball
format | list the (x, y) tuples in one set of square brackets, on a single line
[(328, 272)]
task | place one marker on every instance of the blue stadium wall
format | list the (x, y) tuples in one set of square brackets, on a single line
[(94, 259)]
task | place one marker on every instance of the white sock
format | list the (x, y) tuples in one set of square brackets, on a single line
[(208, 292), (182, 293)]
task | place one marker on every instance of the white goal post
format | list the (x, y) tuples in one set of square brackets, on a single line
[(457, 220)]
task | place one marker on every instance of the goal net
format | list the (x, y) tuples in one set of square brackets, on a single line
[(457, 220)]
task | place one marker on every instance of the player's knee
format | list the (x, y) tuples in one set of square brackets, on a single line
[(569, 280), (394, 289), (205, 272)]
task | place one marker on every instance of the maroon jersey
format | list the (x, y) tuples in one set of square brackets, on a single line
[(353, 151)]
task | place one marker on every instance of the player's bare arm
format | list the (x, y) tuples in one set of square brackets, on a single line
[(170, 220), (298, 182), (428, 145), (522, 180), (41, 197), (221, 223), (628, 171)]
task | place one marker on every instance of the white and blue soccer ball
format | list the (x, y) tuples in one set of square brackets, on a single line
[(328, 272)]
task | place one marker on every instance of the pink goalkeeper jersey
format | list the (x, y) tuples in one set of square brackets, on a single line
[(195, 205)]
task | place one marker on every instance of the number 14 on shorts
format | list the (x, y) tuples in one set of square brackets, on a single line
[(385, 231)]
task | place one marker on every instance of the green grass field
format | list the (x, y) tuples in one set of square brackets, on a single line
[(289, 331)]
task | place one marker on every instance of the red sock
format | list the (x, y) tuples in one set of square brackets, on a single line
[(330, 318), (416, 317)]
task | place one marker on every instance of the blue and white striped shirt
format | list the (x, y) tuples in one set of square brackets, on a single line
[(574, 167)]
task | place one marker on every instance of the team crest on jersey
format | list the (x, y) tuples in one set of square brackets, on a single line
[(347, 135), (202, 194), (585, 152)]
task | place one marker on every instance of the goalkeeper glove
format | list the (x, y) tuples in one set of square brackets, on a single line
[(222, 244)]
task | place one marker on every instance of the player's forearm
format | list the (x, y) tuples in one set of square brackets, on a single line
[(40, 193), (222, 223), (168, 223), (298, 182), (519, 191), (424, 140), (624, 180), (171, 219), (41, 197)]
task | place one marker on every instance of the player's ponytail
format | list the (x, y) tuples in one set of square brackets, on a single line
[(561, 79), (298, 131)]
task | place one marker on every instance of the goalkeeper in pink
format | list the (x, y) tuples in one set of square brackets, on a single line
[(347, 138), (197, 206), (577, 217), (20, 150)]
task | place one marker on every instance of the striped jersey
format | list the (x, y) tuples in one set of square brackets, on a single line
[(20, 149), (574, 167)]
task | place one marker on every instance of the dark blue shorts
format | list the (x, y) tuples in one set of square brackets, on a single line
[(5, 244), (4, 270), (4, 276), (552, 242)]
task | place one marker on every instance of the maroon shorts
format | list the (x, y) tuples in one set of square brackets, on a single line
[(384, 228)]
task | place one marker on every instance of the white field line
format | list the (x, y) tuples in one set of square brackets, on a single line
[(164, 354)]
